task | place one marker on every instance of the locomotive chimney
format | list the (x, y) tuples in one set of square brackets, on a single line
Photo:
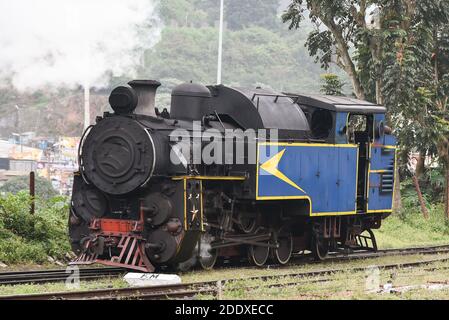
[(146, 93)]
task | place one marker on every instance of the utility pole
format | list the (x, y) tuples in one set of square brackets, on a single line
[(18, 127), (17, 118), (32, 192), (86, 105), (220, 43)]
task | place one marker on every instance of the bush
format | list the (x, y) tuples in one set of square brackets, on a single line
[(409, 228), (32, 238)]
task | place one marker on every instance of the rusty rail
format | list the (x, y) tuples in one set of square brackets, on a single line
[(55, 275), (60, 275), (213, 288)]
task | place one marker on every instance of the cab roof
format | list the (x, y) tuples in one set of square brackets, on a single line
[(340, 104)]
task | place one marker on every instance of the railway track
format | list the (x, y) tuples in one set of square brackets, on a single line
[(55, 275), (60, 275), (340, 256), (179, 291), (393, 252), (212, 288)]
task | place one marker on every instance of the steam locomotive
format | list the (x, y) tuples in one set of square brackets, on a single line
[(157, 189)]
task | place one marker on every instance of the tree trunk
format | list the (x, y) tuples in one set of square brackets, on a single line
[(379, 96), (443, 150), (350, 68), (420, 165), (446, 192), (397, 203), (420, 198), (343, 50)]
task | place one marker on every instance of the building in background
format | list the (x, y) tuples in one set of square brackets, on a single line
[(53, 159)]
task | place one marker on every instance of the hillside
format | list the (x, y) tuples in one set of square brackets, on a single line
[(258, 51)]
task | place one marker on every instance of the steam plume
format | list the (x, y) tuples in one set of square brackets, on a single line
[(73, 42)]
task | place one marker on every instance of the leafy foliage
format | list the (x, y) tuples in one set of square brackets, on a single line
[(252, 56), (32, 238), (182, 13), (410, 228), (44, 188), (410, 83), (338, 28), (331, 85), (401, 61), (431, 185), (249, 13)]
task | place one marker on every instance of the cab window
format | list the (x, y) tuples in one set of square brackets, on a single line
[(357, 129)]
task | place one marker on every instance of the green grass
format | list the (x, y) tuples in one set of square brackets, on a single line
[(346, 285), (409, 228), (106, 283), (341, 281)]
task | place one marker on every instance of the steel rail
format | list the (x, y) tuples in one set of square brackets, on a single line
[(55, 275), (298, 259), (214, 288), (60, 275), (392, 252), (301, 278), (155, 292)]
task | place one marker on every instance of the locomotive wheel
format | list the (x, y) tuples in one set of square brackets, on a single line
[(320, 248), (283, 253), (258, 255)]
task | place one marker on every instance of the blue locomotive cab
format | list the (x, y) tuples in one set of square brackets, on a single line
[(346, 167), (360, 123)]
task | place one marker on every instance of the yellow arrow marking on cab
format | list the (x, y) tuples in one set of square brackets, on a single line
[(271, 166)]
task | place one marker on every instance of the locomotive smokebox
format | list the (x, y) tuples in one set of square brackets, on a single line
[(190, 101), (146, 94), (119, 155)]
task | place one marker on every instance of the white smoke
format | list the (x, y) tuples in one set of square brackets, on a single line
[(73, 42)]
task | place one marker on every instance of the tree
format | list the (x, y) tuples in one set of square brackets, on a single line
[(181, 12), (337, 28), (415, 77), (253, 56), (343, 37), (242, 14), (44, 188), (400, 62), (331, 85)]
